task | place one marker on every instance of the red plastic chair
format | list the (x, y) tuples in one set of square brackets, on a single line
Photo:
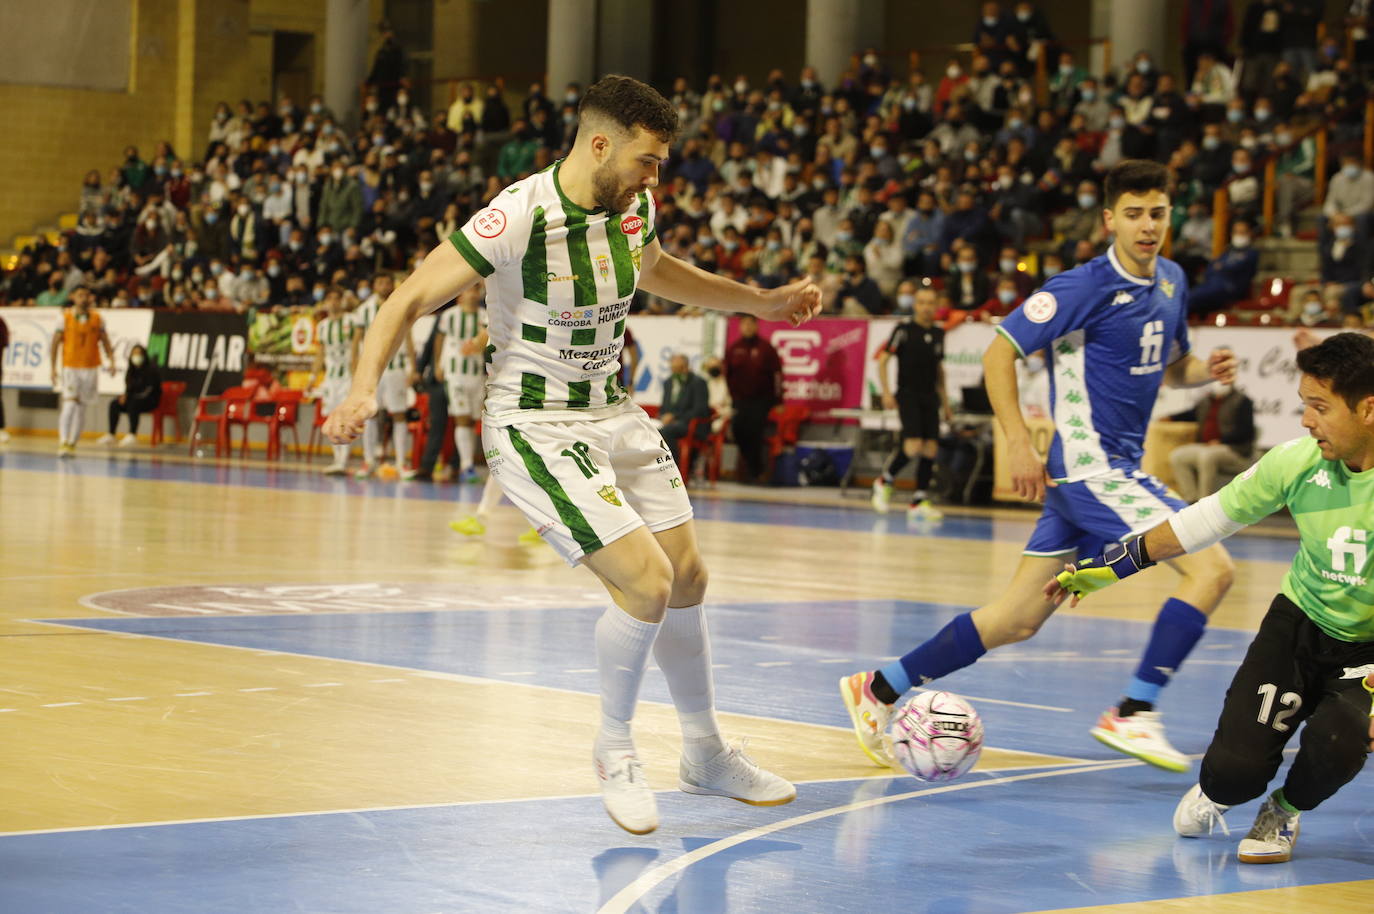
[(316, 436), (787, 419), (711, 445), (419, 428), (223, 409), (285, 413), (167, 409)]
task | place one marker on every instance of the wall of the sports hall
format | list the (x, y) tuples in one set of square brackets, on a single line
[(185, 57)]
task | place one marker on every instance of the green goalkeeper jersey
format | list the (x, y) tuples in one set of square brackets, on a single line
[(1334, 510)]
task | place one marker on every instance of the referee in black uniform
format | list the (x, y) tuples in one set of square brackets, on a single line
[(920, 401)]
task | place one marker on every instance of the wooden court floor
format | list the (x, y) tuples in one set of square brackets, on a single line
[(240, 687)]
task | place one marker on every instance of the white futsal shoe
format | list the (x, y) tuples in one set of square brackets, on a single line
[(1141, 735), (1196, 815), (625, 791), (105, 440), (1272, 837), (735, 775), (882, 495)]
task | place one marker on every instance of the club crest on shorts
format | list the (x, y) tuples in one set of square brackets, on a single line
[(609, 495)]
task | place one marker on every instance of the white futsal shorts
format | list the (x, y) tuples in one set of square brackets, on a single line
[(333, 392), (393, 393), (586, 483), (80, 384), (465, 394)]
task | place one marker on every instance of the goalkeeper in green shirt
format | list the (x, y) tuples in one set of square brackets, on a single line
[(1313, 659)]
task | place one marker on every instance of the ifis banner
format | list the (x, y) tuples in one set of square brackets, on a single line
[(823, 361), (189, 345), (28, 357)]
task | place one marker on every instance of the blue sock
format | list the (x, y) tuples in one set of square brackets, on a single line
[(1177, 629), (955, 647)]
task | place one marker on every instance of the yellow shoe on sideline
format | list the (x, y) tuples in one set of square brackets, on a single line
[(468, 526), (530, 537)]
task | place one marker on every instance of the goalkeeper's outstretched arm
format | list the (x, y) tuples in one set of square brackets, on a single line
[(1190, 530)]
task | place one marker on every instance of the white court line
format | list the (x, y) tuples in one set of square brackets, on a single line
[(130, 698), (260, 689), (192, 694), (321, 685), (627, 897), (774, 663), (62, 704), (835, 660), (1003, 701), (1067, 765)]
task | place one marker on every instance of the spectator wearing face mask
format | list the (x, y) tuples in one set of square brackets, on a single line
[(883, 259), (1228, 278), (142, 390), (1313, 311), (968, 286), (1225, 442), (1345, 259), (1243, 189), (341, 200), (921, 240), (1005, 299), (1081, 223), (1351, 192)]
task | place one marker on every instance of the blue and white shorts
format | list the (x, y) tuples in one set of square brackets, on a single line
[(1082, 517)]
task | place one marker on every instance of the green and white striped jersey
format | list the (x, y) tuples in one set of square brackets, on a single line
[(362, 318), (559, 283), (1334, 510), (459, 326), (334, 335)]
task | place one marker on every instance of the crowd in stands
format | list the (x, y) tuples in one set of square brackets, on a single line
[(974, 182)]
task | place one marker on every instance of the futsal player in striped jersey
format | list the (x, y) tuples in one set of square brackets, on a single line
[(563, 252), (460, 362), (333, 367), (391, 387)]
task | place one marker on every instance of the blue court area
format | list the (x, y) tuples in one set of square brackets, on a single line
[(1092, 833), (854, 514)]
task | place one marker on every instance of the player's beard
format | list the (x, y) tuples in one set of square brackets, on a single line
[(607, 190)]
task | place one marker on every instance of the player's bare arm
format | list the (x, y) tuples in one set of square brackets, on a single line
[(1190, 371), (442, 276), (668, 277), (56, 353), (889, 401), (1028, 474)]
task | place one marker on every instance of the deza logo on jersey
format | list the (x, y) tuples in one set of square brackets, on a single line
[(1151, 348), (1347, 543)]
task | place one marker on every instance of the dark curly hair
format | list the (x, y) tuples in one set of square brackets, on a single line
[(630, 103), (1346, 362), (1135, 176)]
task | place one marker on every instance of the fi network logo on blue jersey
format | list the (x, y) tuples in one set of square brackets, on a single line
[(1151, 348)]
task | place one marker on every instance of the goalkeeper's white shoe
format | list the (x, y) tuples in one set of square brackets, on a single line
[(625, 791), (735, 775), (1196, 815), (1142, 736), (1272, 837), (882, 495)]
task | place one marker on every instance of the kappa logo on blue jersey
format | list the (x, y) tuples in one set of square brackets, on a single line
[(1123, 298)]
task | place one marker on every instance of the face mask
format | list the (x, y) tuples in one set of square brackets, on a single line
[(317, 294), (1211, 142), (718, 105), (1240, 241), (1345, 232), (293, 244), (211, 218), (570, 98), (870, 60), (197, 277), (212, 293), (773, 245), (326, 239), (378, 139), (1087, 201), (1235, 115), (878, 151), (741, 87), (364, 293), (966, 267), (1351, 171), (970, 155), (402, 100), (151, 224), (244, 209), (1004, 182), (179, 298), (1006, 296), (1116, 122), (989, 21), (216, 269), (316, 107), (177, 274), (136, 359), (729, 245), (905, 301), (1065, 68), (1006, 265), (1240, 168), (1247, 142), (1262, 114), (1023, 15), (338, 174), (844, 236), (1142, 67), (273, 270), (1015, 123), (953, 72), (1052, 271), (1088, 94)]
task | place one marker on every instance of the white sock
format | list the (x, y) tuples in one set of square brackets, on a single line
[(491, 497), (372, 440), (400, 439), (683, 652), (340, 454), (622, 652), (466, 441), (69, 422)]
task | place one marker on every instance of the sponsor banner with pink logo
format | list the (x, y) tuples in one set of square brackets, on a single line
[(823, 361)]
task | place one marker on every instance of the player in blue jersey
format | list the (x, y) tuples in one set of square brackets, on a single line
[(1114, 328)]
